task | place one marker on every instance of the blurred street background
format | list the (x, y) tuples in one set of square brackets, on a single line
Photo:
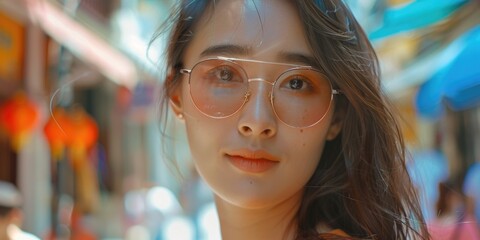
[(88, 66)]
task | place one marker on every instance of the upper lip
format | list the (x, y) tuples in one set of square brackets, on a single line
[(253, 154)]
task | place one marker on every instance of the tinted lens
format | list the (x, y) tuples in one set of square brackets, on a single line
[(301, 97), (218, 87)]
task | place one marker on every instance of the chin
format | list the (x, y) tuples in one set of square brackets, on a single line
[(252, 198), (251, 203)]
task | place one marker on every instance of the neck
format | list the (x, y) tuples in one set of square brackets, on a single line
[(273, 222)]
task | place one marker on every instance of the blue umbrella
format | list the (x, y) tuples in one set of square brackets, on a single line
[(429, 96), (457, 82), (462, 79)]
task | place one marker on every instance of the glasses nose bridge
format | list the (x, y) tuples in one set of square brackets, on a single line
[(259, 80)]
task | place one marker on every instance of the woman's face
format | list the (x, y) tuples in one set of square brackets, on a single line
[(252, 159)]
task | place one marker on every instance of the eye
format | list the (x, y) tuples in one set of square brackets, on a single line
[(224, 73), (296, 84)]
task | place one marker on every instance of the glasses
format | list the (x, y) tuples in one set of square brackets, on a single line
[(300, 96)]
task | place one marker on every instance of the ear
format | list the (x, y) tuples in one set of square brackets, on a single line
[(336, 125), (176, 99), (176, 104)]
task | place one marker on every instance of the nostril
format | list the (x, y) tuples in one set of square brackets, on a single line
[(246, 129), (267, 132)]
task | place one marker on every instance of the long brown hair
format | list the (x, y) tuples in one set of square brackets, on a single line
[(361, 184)]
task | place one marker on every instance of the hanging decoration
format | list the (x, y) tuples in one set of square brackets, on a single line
[(84, 135), (75, 130), (83, 139), (72, 135), (57, 131), (18, 117)]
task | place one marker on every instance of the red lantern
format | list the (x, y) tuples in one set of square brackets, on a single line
[(57, 131), (18, 117), (84, 135)]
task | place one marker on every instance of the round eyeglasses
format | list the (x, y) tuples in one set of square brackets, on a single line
[(301, 96)]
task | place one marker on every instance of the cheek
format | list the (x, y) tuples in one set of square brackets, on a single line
[(203, 143), (203, 135), (304, 143), (304, 148), (309, 142)]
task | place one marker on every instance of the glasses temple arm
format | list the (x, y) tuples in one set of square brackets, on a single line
[(335, 92), (185, 71)]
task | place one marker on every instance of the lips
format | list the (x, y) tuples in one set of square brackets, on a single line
[(252, 161)]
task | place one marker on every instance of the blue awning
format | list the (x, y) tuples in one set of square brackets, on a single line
[(415, 15), (458, 82)]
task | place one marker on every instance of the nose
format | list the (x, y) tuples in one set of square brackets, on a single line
[(257, 118)]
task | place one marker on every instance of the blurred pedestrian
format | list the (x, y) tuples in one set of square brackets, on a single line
[(471, 188), (452, 221), (11, 214)]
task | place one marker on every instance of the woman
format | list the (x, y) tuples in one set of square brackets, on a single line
[(286, 121)]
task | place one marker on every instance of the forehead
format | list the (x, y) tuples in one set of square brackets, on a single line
[(262, 28)]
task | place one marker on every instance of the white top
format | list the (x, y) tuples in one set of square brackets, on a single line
[(16, 233)]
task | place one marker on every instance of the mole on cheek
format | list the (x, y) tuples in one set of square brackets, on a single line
[(301, 130)]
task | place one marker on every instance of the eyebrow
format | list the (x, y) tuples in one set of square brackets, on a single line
[(239, 50), (298, 58), (226, 49)]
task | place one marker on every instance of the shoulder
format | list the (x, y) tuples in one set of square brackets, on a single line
[(325, 232)]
